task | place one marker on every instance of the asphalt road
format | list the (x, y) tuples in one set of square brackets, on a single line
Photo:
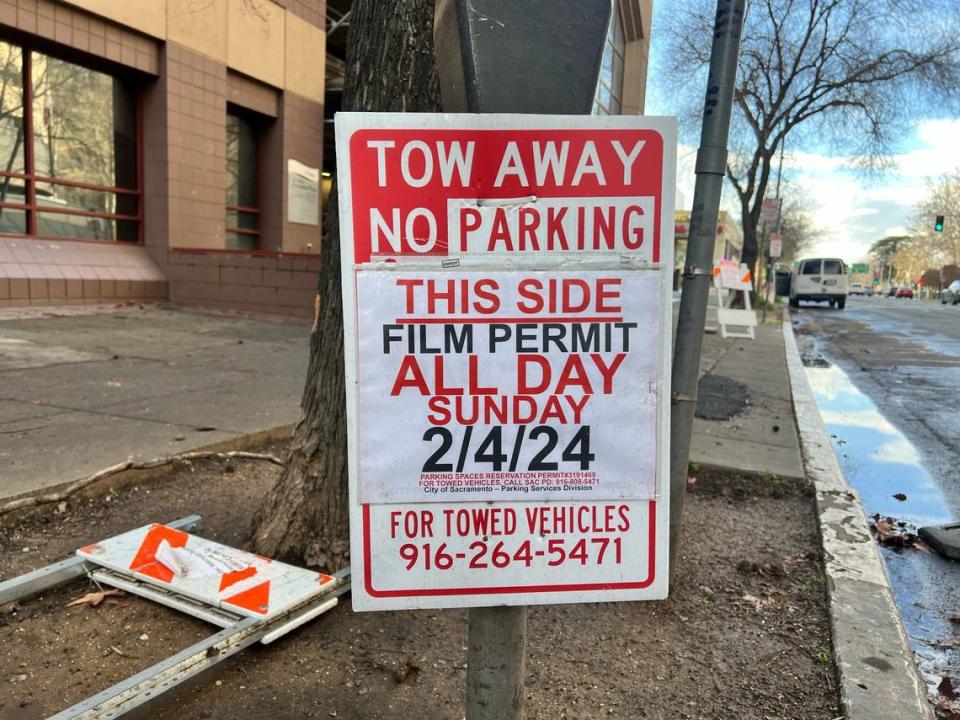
[(886, 373), (922, 320)]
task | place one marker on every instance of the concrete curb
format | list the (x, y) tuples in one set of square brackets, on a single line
[(127, 478), (877, 673)]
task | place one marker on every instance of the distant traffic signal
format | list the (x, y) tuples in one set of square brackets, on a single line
[(938, 224)]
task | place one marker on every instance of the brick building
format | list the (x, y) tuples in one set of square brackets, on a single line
[(175, 149)]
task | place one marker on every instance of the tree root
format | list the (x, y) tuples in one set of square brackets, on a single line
[(37, 500)]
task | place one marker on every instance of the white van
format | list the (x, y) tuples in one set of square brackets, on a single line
[(820, 280)]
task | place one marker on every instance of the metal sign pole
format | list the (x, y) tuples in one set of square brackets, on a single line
[(711, 168), (502, 56)]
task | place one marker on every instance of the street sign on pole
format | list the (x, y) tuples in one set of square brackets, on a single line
[(776, 246), (711, 168), (507, 322), (770, 210)]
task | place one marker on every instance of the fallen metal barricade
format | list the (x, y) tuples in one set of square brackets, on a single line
[(243, 624)]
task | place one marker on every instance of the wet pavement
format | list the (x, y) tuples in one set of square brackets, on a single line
[(885, 375)]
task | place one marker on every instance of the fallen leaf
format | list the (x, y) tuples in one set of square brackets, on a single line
[(95, 598), (406, 669), (897, 534), (758, 603), (8, 608), (114, 383)]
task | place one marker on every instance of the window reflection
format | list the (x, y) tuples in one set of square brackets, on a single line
[(243, 214), (82, 178), (609, 96), (12, 220)]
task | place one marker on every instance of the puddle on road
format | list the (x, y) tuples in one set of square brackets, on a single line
[(876, 458), (879, 462)]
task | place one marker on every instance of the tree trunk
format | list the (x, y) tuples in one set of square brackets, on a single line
[(750, 247), (391, 66)]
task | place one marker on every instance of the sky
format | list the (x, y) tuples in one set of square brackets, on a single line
[(852, 211)]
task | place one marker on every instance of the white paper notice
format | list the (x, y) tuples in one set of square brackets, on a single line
[(511, 385), (303, 193), (209, 560)]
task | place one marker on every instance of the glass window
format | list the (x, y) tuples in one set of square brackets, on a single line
[(243, 203), (11, 109), (81, 179), (12, 188), (609, 96), (810, 267), (832, 267)]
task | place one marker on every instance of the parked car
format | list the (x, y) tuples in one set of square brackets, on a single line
[(951, 293), (891, 291), (856, 289), (820, 280), (904, 292)]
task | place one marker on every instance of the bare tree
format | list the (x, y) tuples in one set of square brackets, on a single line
[(390, 67), (837, 75), (942, 198), (911, 258), (885, 250), (908, 257), (798, 228)]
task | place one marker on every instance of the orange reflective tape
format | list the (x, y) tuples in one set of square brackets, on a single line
[(145, 560), (231, 578), (256, 599)]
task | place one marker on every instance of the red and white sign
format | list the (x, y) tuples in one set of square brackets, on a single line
[(507, 330), (770, 209), (206, 571), (733, 276), (776, 246)]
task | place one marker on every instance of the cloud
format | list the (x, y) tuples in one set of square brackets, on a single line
[(896, 451), (853, 211)]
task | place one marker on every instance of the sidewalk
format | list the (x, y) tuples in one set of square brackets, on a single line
[(81, 392), (762, 436)]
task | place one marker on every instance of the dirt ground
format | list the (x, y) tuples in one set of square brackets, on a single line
[(744, 634)]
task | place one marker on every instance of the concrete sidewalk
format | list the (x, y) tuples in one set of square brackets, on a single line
[(80, 392), (763, 437)]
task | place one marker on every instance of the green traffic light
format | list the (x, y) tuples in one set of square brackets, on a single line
[(938, 225)]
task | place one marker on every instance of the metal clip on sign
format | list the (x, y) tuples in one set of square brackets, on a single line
[(252, 598)]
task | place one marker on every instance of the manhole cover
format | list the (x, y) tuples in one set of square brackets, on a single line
[(720, 398)]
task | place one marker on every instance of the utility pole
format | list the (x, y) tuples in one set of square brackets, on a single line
[(502, 56), (711, 169)]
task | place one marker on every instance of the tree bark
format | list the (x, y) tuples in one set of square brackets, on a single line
[(391, 66)]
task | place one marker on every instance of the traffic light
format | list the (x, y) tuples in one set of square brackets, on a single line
[(938, 224)]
